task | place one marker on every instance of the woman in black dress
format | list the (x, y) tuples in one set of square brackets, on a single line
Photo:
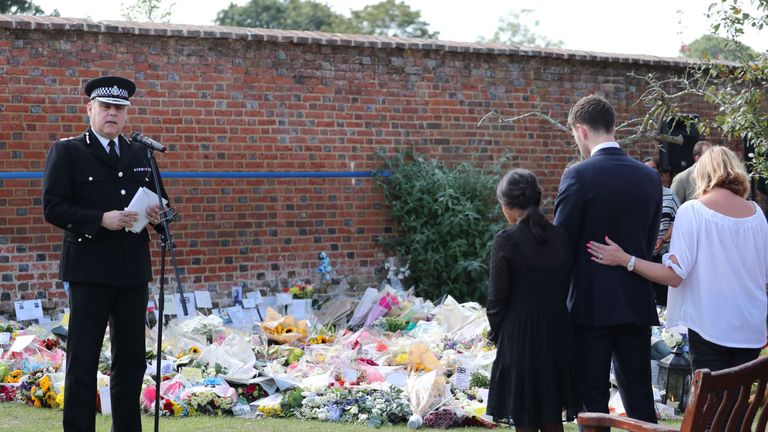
[(534, 377)]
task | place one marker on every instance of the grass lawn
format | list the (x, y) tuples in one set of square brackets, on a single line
[(16, 417)]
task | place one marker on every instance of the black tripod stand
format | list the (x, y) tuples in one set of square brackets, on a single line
[(166, 243)]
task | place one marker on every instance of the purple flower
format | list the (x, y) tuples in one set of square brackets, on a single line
[(334, 412)]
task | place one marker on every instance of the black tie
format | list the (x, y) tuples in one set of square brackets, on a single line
[(113, 157)]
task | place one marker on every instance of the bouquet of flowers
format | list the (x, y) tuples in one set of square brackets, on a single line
[(250, 392), (284, 329), (212, 397), (35, 357), (385, 304), (7, 393), (300, 290), (323, 335), (10, 327), (363, 406), (14, 376)]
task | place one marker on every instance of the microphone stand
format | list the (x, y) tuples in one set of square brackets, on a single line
[(166, 243)]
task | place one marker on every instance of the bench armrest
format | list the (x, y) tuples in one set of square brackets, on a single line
[(595, 421)]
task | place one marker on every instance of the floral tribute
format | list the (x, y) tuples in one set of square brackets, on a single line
[(300, 290), (284, 329)]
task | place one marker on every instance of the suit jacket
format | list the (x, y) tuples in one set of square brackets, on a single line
[(610, 194), (80, 185)]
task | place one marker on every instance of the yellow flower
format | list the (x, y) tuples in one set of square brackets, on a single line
[(60, 399), (194, 350), (270, 410), (45, 384), (401, 359), (50, 399), (13, 377), (177, 409)]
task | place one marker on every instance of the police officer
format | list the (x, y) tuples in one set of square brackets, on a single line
[(89, 180)]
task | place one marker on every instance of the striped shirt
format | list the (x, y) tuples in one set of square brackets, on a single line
[(669, 205)]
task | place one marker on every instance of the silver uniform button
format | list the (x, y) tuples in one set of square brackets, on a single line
[(90, 178), (120, 174), (122, 192), (79, 239)]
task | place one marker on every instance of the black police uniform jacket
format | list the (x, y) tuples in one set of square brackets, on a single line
[(80, 185)]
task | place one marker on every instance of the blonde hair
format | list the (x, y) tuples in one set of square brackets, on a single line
[(719, 167)]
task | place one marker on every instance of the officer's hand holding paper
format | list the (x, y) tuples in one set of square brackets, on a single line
[(141, 203)]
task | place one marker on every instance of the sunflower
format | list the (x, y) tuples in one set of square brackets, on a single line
[(13, 377), (194, 350)]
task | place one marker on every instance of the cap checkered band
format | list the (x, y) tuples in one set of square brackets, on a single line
[(109, 92)]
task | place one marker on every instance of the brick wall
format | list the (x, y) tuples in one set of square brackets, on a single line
[(244, 100)]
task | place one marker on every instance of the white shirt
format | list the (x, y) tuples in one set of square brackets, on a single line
[(105, 143), (609, 144), (723, 262)]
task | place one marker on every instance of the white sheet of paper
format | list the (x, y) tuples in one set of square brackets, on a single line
[(203, 299), (237, 316), (256, 296), (5, 338), (282, 299), (300, 308), (461, 379), (28, 310), (252, 314), (44, 320), (21, 342), (169, 307), (248, 303), (190, 300), (106, 400), (143, 199)]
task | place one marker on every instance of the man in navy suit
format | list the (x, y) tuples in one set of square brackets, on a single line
[(610, 194)]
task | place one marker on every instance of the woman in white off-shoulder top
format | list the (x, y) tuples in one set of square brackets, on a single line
[(717, 266)]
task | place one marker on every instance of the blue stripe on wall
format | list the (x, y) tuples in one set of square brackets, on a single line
[(228, 175)]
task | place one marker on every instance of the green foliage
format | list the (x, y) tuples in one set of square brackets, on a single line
[(739, 92), (390, 18), (20, 7), (291, 401), (732, 16), (385, 18), (281, 14), (148, 10), (710, 47), (394, 324), (479, 380), (513, 30), (447, 218)]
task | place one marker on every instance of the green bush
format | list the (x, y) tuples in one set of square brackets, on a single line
[(447, 219)]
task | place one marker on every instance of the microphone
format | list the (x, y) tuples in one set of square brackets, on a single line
[(147, 141)]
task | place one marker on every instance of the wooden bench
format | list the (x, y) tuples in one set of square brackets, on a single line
[(725, 398)]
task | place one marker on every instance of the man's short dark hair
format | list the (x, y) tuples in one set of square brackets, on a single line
[(701, 147), (594, 112)]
